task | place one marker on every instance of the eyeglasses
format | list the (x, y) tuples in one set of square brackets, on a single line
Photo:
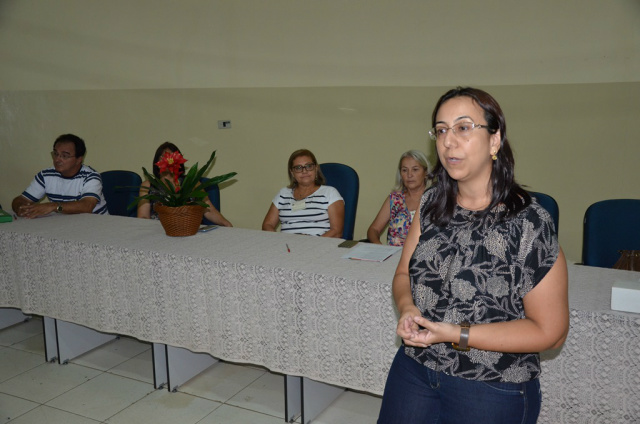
[(63, 156), (308, 167), (461, 129)]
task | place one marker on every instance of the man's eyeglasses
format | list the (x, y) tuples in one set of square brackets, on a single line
[(308, 167), (63, 156), (461, 129)]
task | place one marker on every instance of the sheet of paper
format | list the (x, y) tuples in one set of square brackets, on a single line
[(371, 252)]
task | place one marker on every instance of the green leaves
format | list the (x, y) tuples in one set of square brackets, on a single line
[(190, 190)]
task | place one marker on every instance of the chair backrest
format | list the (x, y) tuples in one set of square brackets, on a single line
[(120, 188), (610, 226), (213, 191), (344, 179), (550, 204)]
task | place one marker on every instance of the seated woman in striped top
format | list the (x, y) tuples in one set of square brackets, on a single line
[(306, 205)]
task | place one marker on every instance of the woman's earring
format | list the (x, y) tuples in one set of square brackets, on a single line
[(493, 155)]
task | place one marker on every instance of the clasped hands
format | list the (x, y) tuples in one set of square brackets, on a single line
[(415, 330), (34, 210)]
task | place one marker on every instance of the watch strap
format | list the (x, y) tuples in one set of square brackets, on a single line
[(463, 344)]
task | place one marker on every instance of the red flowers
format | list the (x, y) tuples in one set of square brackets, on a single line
[(172, 161)]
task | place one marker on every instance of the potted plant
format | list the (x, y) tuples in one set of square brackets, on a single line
[(180, 203)]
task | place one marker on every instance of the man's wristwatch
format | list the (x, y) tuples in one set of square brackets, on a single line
[(463, 344), (59, 208)]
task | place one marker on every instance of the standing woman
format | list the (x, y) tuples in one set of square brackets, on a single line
[(481, 286), (398, 209)]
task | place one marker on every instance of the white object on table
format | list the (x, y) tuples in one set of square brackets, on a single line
[(625, 296)]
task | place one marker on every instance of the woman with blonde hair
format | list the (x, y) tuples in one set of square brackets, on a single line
[(398, 209)]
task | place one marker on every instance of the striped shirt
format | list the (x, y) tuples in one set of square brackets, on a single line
[(307, 216), (50, 183)]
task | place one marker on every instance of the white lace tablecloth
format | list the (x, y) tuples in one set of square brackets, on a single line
[(595, 378), (234, 293), (239, 295)]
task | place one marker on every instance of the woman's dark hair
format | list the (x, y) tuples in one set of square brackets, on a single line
[(320, 180), (165, 146), (504, 189)]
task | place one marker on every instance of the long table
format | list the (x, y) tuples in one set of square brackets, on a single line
[(595, 377), (239, 295)]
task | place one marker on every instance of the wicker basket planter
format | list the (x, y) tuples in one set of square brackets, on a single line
[(180, 221)]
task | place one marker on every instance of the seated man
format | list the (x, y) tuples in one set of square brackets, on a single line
[(70, 186)]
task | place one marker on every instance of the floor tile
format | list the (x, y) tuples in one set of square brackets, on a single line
[(114, 384), (14, 362), (19, 332), (352, 408), (33, 344), (227, 414), (162, 407), (47, 381), (265, 395), (112, 354), (221, 381), (102, 397), (12, 407), (47, 415), (140, 367)]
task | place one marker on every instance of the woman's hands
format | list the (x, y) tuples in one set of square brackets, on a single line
[(418, 331), (408, 329), (225, 223)]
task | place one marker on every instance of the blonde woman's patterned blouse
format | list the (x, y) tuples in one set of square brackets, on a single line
[(400, 219)]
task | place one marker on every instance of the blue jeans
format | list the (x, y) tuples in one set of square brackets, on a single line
[(415, 394)]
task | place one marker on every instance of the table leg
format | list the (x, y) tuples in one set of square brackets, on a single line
[(292, 398), (74, 340), (307, 398), (50, 339), (183, 365)]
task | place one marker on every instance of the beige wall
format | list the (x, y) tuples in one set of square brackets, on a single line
[(353, 81)]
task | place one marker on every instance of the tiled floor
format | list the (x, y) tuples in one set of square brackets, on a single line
[(114, 384)]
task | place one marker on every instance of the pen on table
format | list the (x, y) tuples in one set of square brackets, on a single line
[(288, 250)]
